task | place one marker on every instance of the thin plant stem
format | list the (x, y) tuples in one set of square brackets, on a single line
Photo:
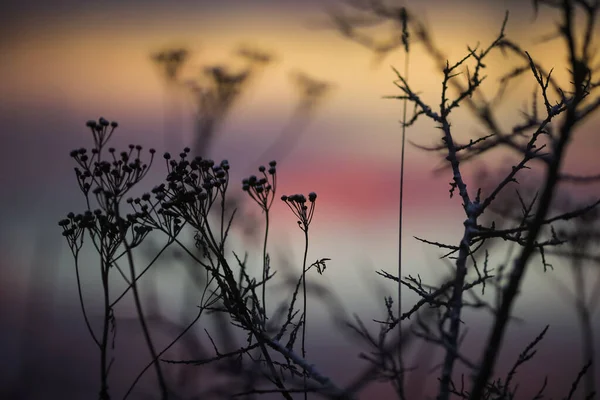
[(265, 272), (81, 302), (304, 299), (223, 222), (209, 237), (104, 395), (404, 108), (587, 330), (137, 278), (138, 305), (171, 117), (155, 360)]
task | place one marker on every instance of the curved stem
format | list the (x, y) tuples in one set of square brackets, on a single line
[(155, 360), (80, 293), (138, 305)]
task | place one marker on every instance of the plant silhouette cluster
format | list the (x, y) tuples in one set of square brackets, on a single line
[(272, 360)]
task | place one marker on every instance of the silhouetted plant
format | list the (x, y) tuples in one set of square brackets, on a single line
[(191, 190), (194, 184)]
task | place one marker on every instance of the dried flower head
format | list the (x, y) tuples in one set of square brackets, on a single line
[(261, 190), (297, 203)]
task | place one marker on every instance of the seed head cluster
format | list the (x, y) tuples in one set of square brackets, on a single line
[(297, 203), (108, 179), (192, 187), (100, 131), (262, 190)]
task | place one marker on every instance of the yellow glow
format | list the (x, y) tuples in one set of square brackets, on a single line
[(94, 63)]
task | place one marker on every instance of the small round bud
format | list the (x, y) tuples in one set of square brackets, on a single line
[(103, 121), (272, 163), (312, 196), (262, 168)]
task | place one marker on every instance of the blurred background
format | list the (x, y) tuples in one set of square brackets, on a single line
[(307, 97)]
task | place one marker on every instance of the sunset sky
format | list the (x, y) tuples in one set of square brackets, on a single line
[(66, 62)]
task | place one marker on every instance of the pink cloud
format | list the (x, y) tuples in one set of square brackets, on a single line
[(357, 187)]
